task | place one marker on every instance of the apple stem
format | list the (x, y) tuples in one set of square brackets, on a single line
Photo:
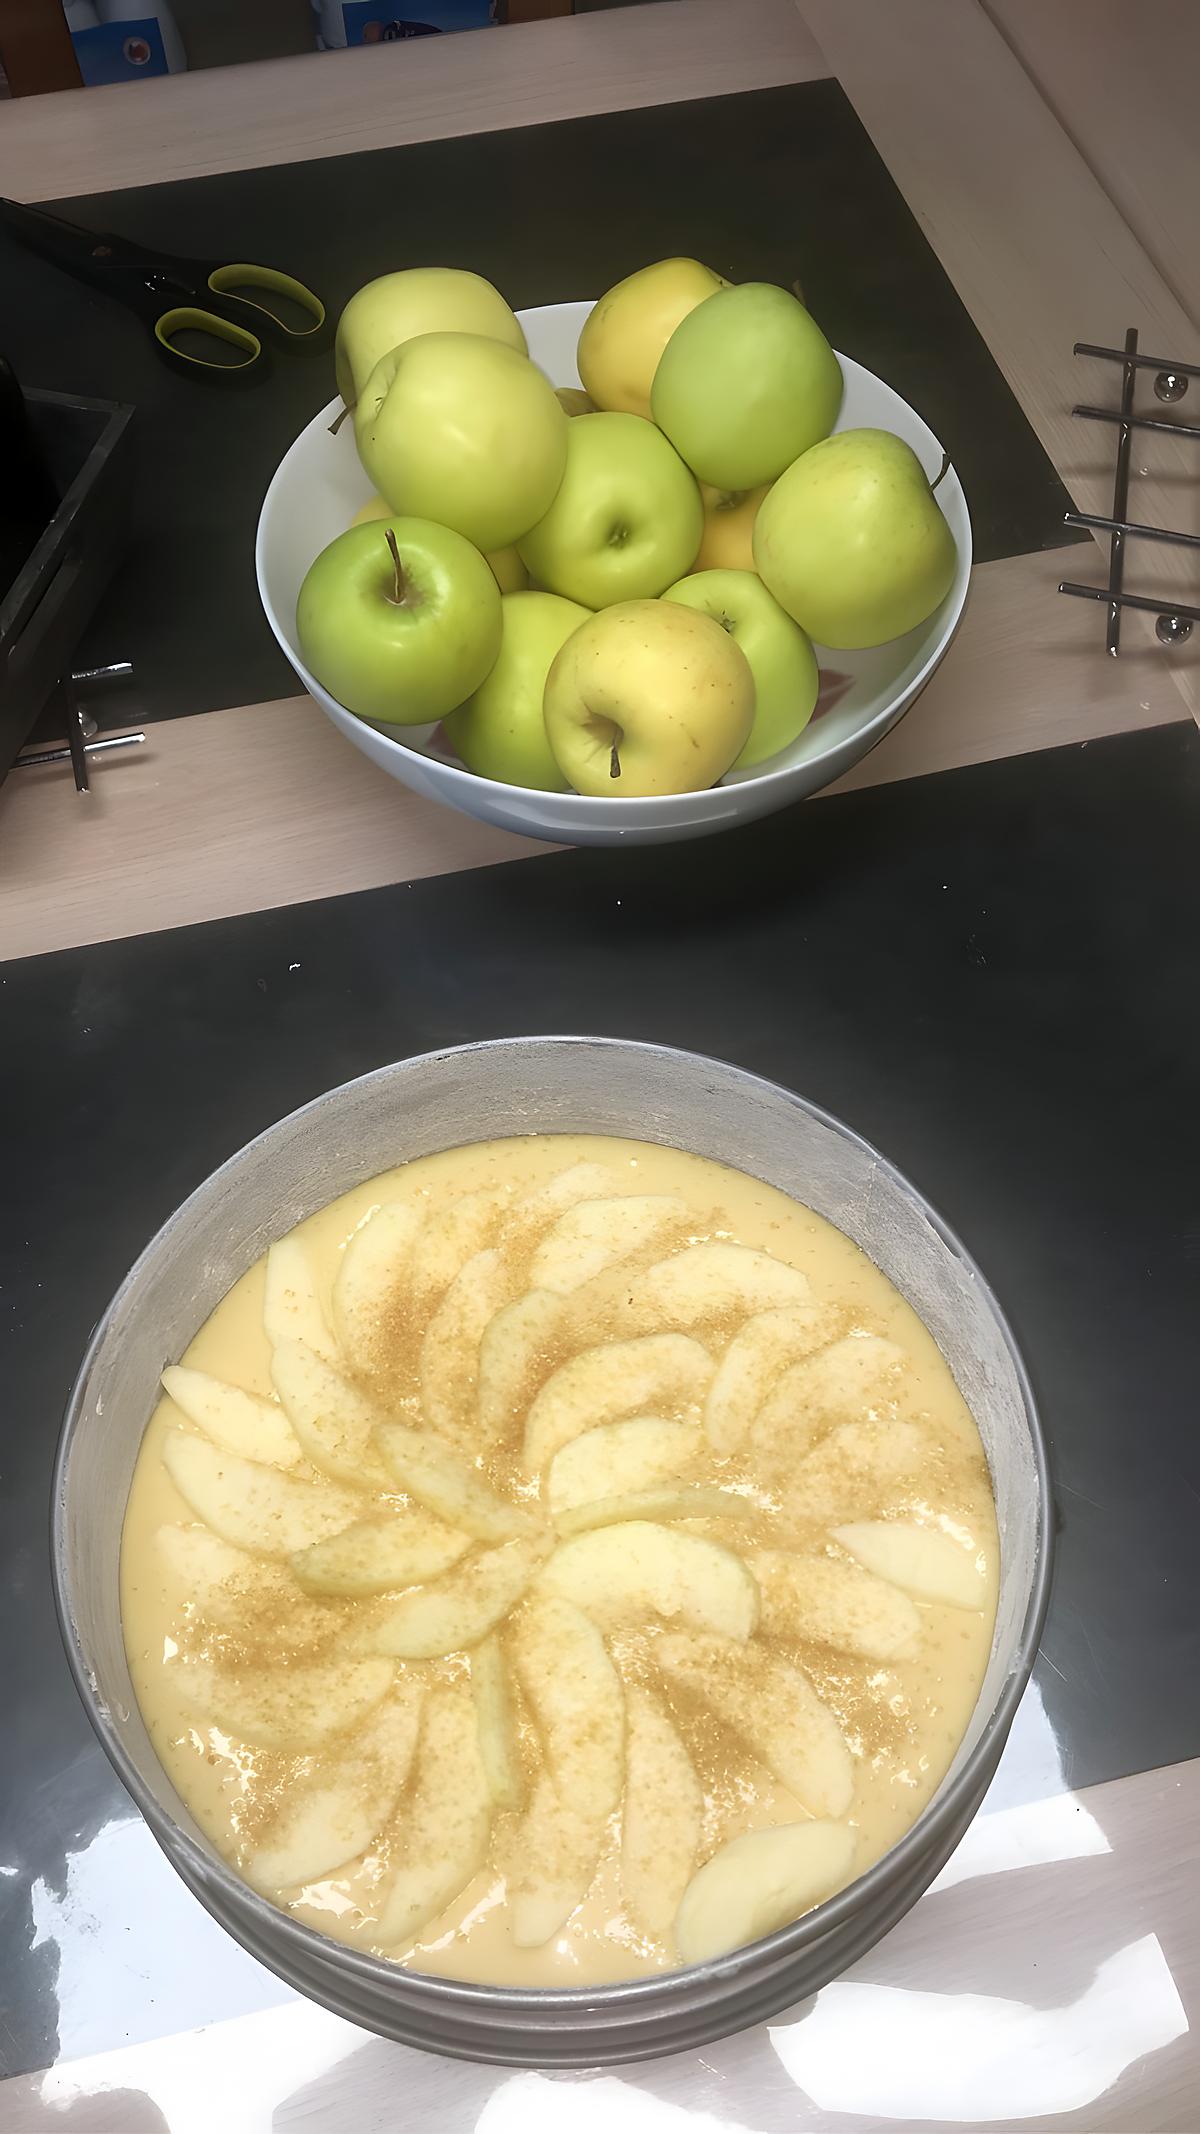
[(397, 566), (337, 422), (614, 761)]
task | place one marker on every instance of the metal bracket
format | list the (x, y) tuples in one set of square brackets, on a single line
[(82, 739), (1175, 618)]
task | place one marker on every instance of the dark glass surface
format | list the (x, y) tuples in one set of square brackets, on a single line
[(781, 184), (990, 973)]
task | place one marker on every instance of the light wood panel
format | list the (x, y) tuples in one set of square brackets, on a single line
[(429, 88), (1036, 248), (244, 809), (1123, 82)]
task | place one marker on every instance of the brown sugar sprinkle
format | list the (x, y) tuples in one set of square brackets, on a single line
[(727, 1768), (867, 1698)]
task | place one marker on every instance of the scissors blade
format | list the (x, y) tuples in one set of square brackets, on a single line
[(65, 243), (113, 265)]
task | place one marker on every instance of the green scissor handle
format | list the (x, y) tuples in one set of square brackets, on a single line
[(240, 321), (188, 317), (239, 275)]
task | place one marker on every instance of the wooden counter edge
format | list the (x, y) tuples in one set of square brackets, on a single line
[(267, 805)]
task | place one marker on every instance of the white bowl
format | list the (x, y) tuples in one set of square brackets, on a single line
[(319, 485)]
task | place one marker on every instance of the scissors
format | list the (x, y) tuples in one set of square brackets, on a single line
[(178, 296)]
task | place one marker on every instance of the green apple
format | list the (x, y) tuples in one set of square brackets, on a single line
[(852, 542), (399, 620), (508, 570), (780, 657), (626, 332), (395, 307), (500, 731), (460, 429), (746, 383), (648, 697), (626, 521)]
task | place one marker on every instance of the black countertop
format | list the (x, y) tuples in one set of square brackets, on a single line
[(990, 973)]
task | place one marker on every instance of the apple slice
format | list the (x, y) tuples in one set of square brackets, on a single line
[(449, 1362), (253, 1507), (214, 1575), (920, 1559), (446, 1241), (635, 1571), (380, 1555), (497, 1724), (618, 1457), (773, 1708), (714, 1281), (331, 1815), (594, 1233), (295, 1707), (460, 1609), (841, 1382), (230, 1590), (515, 1355), (836, 1603), (370, 1281), (766, 1345), (668, 1501), (579, 1710), (292, 1307), (242, 1422), (329, 1416), (863, 1468), (758, 1883), (531, 1215), (662, 1819), (603, 1384), (446, 1483), (441, 1836)]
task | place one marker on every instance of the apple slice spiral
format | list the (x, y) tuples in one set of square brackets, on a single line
[(512, 1643)]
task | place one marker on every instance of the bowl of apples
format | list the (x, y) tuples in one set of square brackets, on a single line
[(632, 570)]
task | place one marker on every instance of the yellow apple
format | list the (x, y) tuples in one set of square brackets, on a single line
[(395, 307), (648, 697), (462, 430), (573, 401), (508, 570), (500, 731), (626, 332), (376, 507), (729, 515)]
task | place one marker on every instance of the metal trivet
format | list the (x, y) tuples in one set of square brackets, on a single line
[(82, 735), (1175, 617)]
